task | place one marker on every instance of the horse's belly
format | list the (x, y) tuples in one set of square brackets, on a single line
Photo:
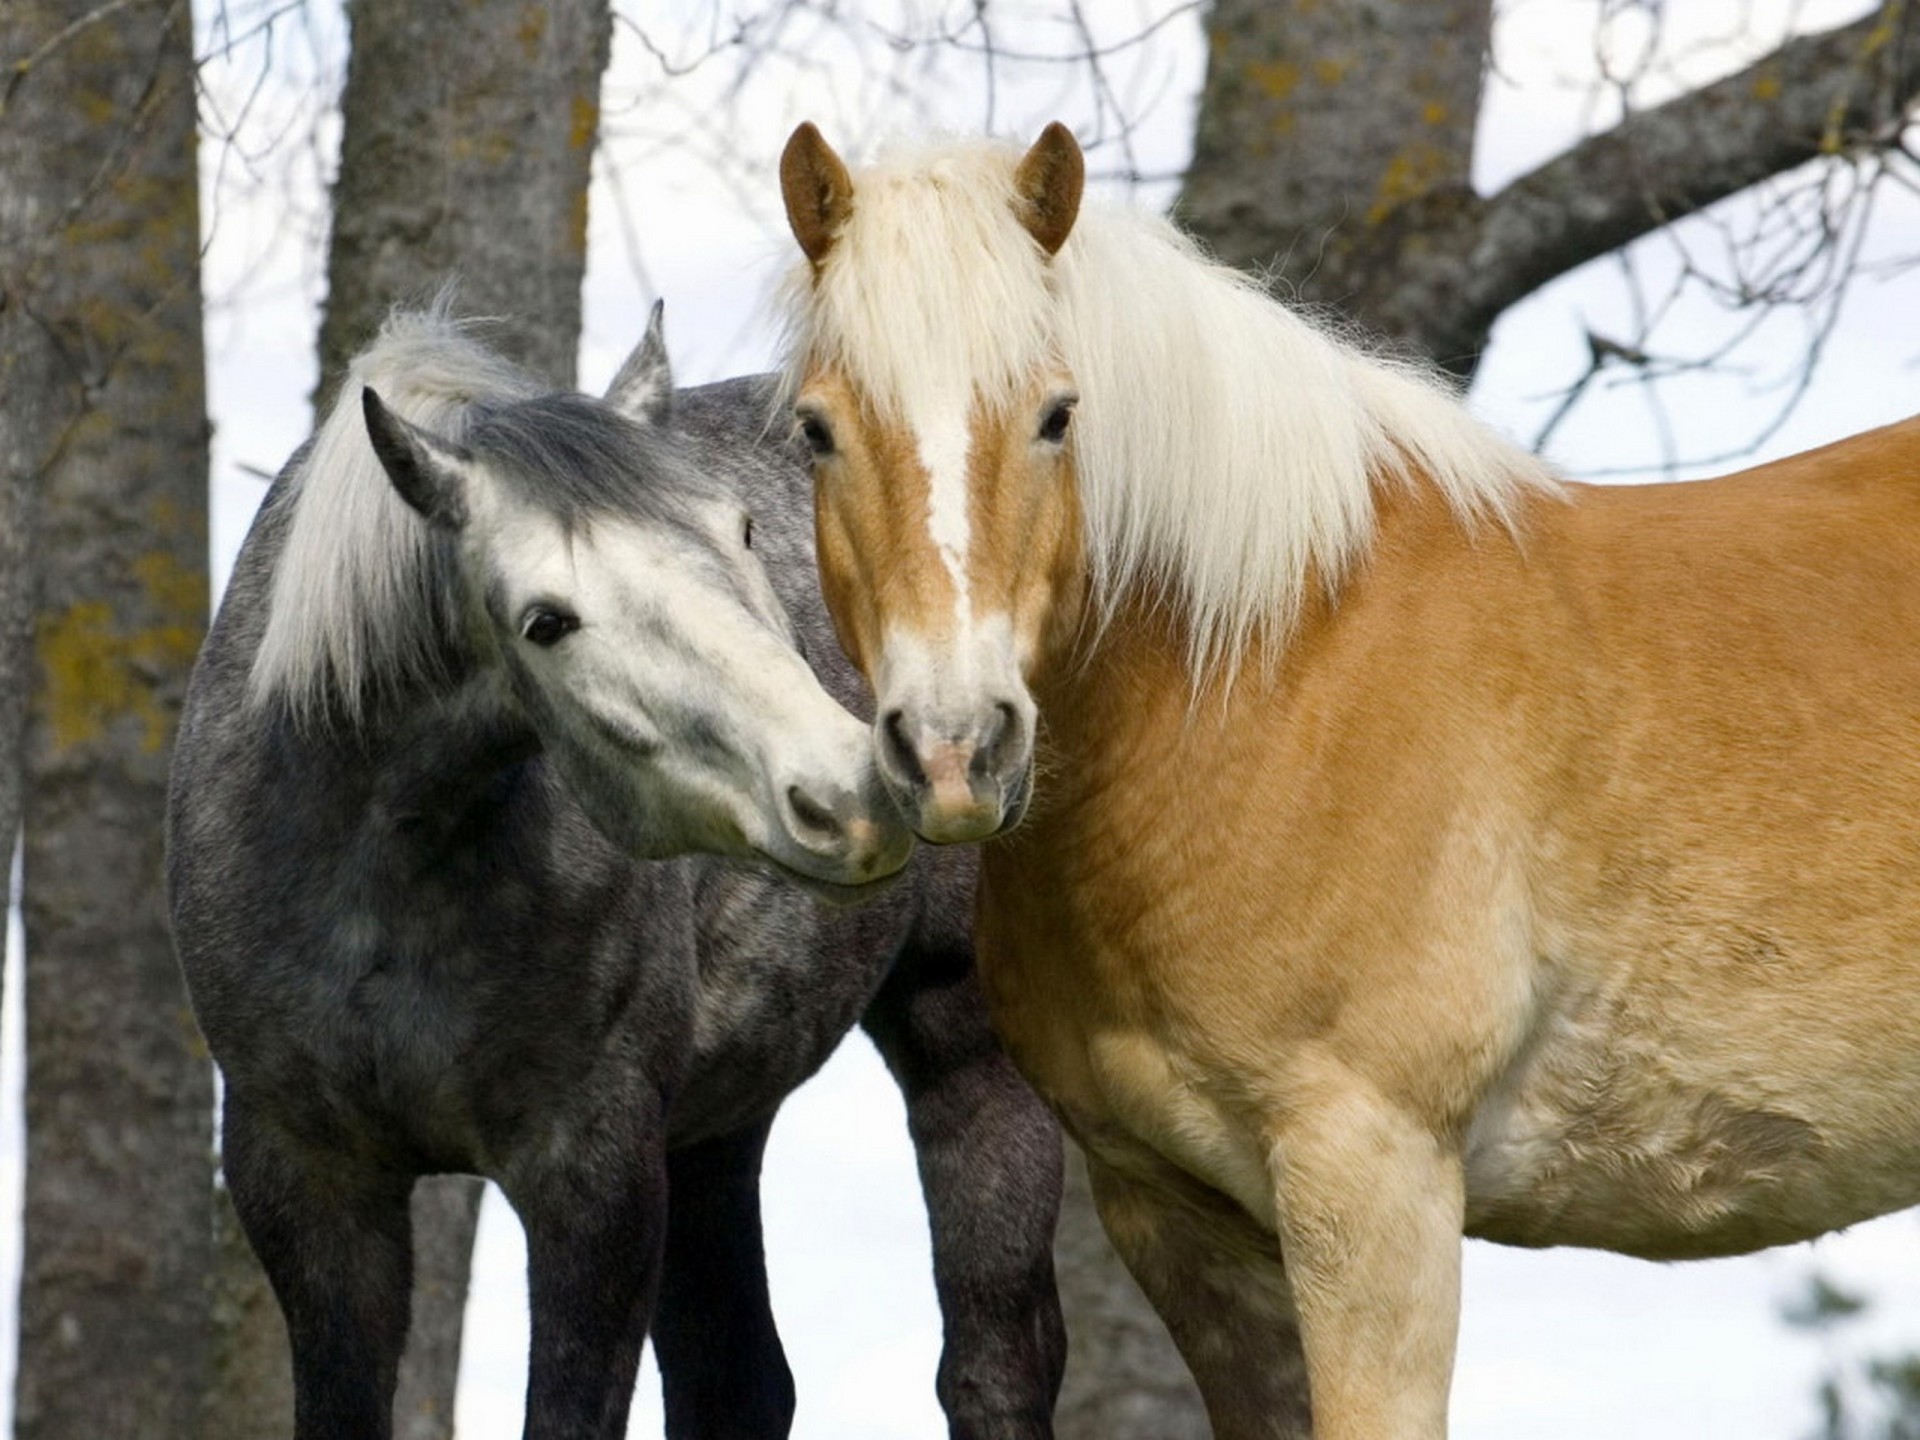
[(1603, 1140)]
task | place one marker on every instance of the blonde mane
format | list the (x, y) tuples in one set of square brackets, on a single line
[(351, 613), (1226, 447)]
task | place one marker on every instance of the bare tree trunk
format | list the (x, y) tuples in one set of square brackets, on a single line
[(446, 1214), (466, 153), (106, 406), (1327, 139), (29, 427)]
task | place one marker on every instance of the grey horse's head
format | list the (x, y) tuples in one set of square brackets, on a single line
[(619, 594)]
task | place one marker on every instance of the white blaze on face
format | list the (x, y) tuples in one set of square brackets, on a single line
[(941, 430), (950, 688)]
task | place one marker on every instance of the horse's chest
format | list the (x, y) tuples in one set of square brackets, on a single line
[(1107, 1041), (776, 987)]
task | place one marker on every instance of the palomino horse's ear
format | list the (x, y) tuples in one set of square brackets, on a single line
[(428, 472), (818, 190), (643, 389), (1049, 182)]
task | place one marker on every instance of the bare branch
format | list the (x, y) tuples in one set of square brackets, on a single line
[(1823, 95)]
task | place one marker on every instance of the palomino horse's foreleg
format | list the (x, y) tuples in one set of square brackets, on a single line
[(722, 1370), (989, 1157), (1216, 1280), (1369, 1205), (595, 1212), (337, 1246)]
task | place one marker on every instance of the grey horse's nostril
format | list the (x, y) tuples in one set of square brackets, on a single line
[(811, 816), (893, 734)]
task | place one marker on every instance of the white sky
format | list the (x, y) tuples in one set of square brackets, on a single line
[(1568, 1344)]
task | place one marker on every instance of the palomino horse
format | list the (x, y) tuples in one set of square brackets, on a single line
[(485, 646), (1421, 846)]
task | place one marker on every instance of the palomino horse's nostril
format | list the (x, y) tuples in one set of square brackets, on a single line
[(899, 751), (815, 820), (1000, 736)]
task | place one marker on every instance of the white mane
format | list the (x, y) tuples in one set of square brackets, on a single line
[(350, 613), (1227, 449)]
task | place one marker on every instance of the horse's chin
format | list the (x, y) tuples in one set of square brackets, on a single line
[(834, 892)]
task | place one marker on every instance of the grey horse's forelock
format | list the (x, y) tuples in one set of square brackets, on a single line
[(576, 459), (355, 608)]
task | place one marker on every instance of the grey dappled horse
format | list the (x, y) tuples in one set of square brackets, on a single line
[(483, 648)]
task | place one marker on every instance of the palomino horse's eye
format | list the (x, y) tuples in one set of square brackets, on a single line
[(543, 626), (818, 437), (1053, 423)]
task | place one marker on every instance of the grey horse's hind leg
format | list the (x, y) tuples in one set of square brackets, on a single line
[(595, 1213), (336, 1243), (722, 1370), (989, 1157)]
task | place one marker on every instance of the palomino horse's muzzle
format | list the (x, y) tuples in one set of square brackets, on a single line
[(958, 780)]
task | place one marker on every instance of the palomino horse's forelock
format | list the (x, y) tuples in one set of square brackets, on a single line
[(918, 324)]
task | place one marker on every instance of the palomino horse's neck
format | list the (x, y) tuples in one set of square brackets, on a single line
[(1137, 756)]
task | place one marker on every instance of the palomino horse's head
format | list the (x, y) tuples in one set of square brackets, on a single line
[(620, 594), (938, 410)]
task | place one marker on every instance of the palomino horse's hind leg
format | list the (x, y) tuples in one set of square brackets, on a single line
[(1216, 1280), (989, 1158), (722, 1371), (337, 1246), (595, 1213)]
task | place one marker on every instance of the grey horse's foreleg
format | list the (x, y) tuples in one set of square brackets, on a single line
[(336, 1243), (595, 1213), (989, 1157), (723, 1373)]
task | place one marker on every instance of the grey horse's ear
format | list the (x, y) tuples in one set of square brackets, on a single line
[(430, 473), (643, 388)]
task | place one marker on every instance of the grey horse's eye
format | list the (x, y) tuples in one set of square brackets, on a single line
[(746, 531), (544, 626)]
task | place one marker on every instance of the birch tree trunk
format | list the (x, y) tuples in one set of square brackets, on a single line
[(105, 418)]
